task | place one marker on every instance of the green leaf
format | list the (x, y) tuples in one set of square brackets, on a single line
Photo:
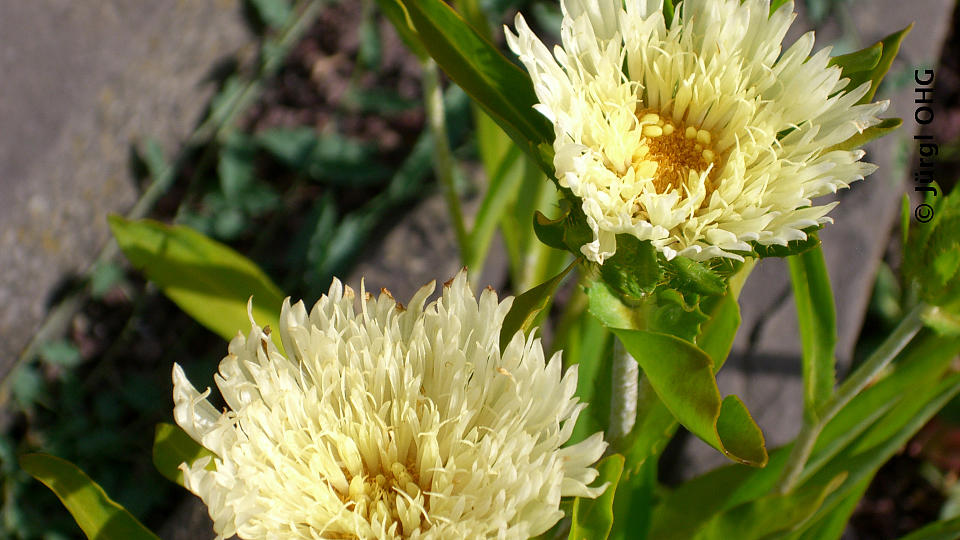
[(588, 344), (818, 328), (526, 307), (633, 271), (171, 447), (776, 4), (665, 311), (60, 353), (568, 232), (769, 514), (504, 182), (683, 378), (885, 127), (890, 45), (273, 13), (865, 59), (104, 277), (235, 167), (718, 332), (593, 518), (833, 523), (98, 516), (938, 530), (396, 13), (209, 281), (501, 88)]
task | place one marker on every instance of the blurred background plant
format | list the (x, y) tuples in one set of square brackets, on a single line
[(307, 155)]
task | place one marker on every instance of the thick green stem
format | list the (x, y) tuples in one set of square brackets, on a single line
[(856, 382), (443, 163)]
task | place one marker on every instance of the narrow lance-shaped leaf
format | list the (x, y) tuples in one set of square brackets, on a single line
[(98, 516), (504, 91), (593, 518), (171, 447), (768, 515), (208, 280), (938, 530), (818, 327), (885, 127), (890, 47), (526, 307)]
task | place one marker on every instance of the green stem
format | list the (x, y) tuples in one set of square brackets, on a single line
[(442, 157), (856, 382)]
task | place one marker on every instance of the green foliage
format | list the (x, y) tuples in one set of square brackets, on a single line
[(885, 127), (527, 307), (171, 447), (854, 64), (97, 515), (60, 353), (767, 515), (938, 530), (272, 13), (209, 281), (682, 375), (328, 158), (501, 88), (818, 328), (593, 518), (932, 260)]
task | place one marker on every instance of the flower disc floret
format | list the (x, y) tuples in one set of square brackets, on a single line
[(700, 137), (389, 422)]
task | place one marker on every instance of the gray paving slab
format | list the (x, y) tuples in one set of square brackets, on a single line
[(81, 83), (764, 368)]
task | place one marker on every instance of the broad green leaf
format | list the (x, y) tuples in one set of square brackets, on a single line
[(885, 127), (171, 447), (683, 378), (526, 307), (633, 271), (818, 328), (501, 88), (938, 530), (98, 516), (865, 59), (718, 332), (767, 515), (208, 280), (592, 518)]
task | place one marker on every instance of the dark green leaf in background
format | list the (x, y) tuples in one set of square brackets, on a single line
[(98, 516), (208, 280), (529, 306)]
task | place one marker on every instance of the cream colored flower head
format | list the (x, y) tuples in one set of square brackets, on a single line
[(701, 137), (388, 423)]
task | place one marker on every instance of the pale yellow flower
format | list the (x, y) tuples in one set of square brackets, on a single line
[(701, 137), (388, 423)]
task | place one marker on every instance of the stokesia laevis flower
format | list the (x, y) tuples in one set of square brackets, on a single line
[(700, 137), (388, 423)]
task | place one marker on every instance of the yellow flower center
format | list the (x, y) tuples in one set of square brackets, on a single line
[(375, 496), (668, 152)]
